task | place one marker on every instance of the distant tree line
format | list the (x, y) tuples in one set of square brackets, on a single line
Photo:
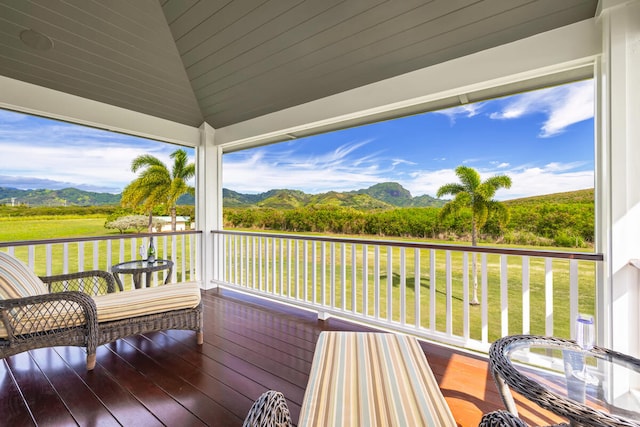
[(547, 224)]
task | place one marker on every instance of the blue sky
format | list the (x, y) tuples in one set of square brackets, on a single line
[(43, 153), (543, 140)]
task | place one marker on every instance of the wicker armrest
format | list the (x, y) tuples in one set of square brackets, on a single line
[(269, 410), (47, 314), (501, 419), (93, 282), (506, 419), (49, 320)]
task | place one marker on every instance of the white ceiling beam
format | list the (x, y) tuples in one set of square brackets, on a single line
[(37, 100)]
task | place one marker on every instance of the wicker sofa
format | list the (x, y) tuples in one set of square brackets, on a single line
[(84, 309)]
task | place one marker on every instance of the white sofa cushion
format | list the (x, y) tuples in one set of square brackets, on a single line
[(145, 301)]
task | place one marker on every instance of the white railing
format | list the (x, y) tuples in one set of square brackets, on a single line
[(60, 256), (417, 288)]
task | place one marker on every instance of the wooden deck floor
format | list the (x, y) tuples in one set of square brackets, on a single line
[(167, 379)]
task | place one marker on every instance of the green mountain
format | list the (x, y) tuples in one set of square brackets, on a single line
[(64, 197), (357, 201), (283, 199), (396, 195), (380, 196), (389, 192), (579, 196)]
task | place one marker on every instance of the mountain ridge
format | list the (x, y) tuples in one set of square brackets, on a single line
[(387, 195)]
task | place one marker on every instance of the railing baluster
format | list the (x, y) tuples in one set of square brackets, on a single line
[(484, 303), (254, 281), (49, 256), (80, 256), (365, 280), (376, 281), (96, 255), (548, 296), (274, 270), (403, 286), (305, 270), (32, 257), (266, 263), (343, 275), (183, 248), (504, 296), (65, 258), (289, 281), (323, 288), (389, 283), (416, 286), (465, 296), (432, 290), (314, 273), (449, 295), (354, 269), (281, 270), (192, 257), (332, 293), (296, 269), (526, 297), (260, 261), (121, 251), (573, 294)]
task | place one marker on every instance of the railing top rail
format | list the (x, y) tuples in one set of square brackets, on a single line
[(420, 245), (93, 238)]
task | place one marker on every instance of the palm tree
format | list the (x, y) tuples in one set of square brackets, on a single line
[(472, 193), (157, 186)]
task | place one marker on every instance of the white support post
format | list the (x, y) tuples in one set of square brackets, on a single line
[(619, 153), (208, 206), (618, 296)]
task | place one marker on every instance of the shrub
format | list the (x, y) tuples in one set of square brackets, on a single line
[(136, 222)]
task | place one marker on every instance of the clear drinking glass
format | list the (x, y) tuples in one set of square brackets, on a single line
[(143, 252), (585, 337)]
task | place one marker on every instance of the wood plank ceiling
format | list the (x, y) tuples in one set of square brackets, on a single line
[(226, 61)]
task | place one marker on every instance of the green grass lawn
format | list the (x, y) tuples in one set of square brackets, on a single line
[(51, 227)]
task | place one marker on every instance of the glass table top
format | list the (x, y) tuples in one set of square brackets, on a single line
[(611, 384)]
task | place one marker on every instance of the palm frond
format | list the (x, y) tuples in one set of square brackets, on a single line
[(451, 189), (469, 177)]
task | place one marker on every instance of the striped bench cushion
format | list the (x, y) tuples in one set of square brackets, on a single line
[(145, 301), (372, 379), (117, 306), (17, 280)]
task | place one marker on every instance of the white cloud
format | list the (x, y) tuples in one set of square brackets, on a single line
[(535, 181), (46, 151), (526, 180), (340, 170), (467, 110), (562, 106)]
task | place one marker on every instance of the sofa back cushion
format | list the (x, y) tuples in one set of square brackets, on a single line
[(17, 280)]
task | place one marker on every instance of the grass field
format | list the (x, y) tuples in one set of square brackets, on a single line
[(51, 227)]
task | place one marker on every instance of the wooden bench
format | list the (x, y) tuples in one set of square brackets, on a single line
[(372, 379)]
